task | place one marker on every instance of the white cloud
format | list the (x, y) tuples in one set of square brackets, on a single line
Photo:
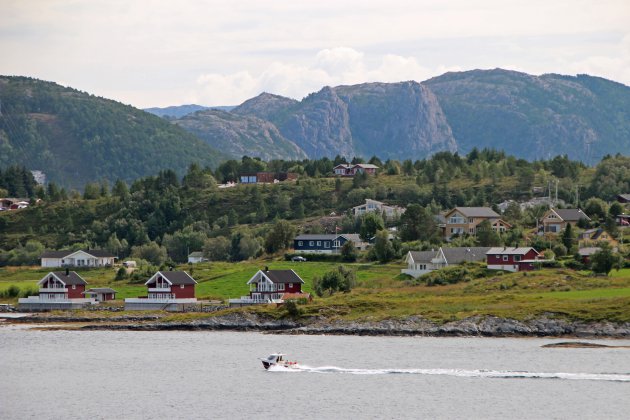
[(331, 66)]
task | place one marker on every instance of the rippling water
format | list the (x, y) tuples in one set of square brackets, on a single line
[(155, 375)]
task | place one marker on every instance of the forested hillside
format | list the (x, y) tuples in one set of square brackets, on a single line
[(165, 216), (74, 137)]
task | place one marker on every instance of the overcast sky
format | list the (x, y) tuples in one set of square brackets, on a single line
[(163, 52)]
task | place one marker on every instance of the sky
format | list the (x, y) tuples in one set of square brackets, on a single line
[(161, 52)]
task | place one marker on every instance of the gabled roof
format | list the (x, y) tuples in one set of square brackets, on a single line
[(72, 278), (510, 251), (571, 215), (98, 253), (455, 255), (196, 254), (100, 290), (476, 212), (625, 197), (278, 276), (174, 277), (316, 237), (366, 166)]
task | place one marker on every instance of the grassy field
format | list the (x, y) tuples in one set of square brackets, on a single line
[(382, 293)]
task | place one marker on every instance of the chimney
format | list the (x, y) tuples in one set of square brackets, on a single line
[(266, 268), (67, 271)]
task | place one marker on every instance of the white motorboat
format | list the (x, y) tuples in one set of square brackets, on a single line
[(276, 359)]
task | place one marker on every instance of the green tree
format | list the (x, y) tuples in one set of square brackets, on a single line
[(340, 279), (279, 237), (486, 236), (605, 260), (349, 252), (151, 252), (383, 250), (568, 237), (371, 223), (217, 249), (417, 223)]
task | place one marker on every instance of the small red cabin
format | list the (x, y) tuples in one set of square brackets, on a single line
[(512, 259), (171, 285)]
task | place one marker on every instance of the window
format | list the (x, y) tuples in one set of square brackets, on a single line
[(300, 243), (517, 257), (471, 230), (311, 243), (456, 220), (471, 220), (74, 287), (181, 286), (505, 258), (326, 244), (281, 286), (290, 285), (319, 243)]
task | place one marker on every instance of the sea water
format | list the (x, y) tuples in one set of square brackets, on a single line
[(189, 375)]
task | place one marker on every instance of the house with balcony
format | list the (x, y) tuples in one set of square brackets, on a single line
[(166, 290), (556, 220), (423, 262), (373, 206), (512, 259), (58, 290), (464, 221), (269, 286), (81, 258)]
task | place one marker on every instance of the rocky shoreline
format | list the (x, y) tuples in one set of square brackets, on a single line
[(478, 326)]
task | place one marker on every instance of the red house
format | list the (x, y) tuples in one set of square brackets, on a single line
[(60, 285), (269, 286), (512, 259), (171, 285)]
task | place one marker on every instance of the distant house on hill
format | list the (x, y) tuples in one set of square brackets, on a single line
[(623, 198), (512, 259), (196, 257), (326, 243), (556, 220), (80, 258), (266, 177), (58, 290), (464, 220), (373, 206), (423, 262), (269, 286), (349, 169), (594, 236), (166, 290)]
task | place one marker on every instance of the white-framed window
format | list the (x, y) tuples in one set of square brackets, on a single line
[(311, 243), (290, 285), (319, 243), (300, 243), (517, 257), (471, 220), (181, 286), (281, 286), (455, 220), (326, 244), (505, 258), (74, 287)]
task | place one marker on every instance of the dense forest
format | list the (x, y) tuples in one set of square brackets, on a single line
[(72, 136), (166, 216)]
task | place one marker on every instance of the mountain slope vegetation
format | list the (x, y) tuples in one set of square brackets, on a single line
[(74, 137)]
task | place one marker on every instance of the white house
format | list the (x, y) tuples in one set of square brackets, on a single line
[(389, 212), (196, 257), (423, 262), (80, 258)]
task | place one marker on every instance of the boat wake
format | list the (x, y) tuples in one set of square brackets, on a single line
[(476, 373)]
